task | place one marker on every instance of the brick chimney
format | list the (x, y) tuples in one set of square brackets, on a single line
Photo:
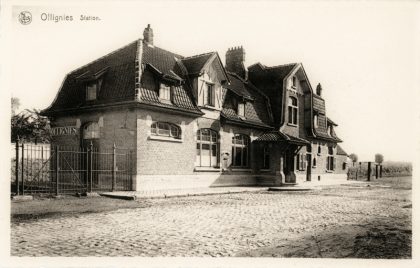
[(148, 35), (235, 61), (319, 89)]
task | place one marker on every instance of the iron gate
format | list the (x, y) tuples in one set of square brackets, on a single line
[(61, 169)]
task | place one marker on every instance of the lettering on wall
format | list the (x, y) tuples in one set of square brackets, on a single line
[(64, 131)]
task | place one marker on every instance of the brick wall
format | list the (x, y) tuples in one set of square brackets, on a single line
[(165, 157)]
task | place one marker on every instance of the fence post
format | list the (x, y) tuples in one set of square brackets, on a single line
[(22, 178), (90, 166), (369, 170), (57, 166), (17, 166), (376, 171), (114, 168), (380, 171)]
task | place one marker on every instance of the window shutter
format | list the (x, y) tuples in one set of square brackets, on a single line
[(335, 162), (328, 160)]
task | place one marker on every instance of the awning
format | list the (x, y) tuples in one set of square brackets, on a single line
[(279, 137)]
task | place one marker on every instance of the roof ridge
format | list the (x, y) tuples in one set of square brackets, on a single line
[(199, 55), (104, 56), (278, 66)]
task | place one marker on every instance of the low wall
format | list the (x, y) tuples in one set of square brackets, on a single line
[(201, 180)]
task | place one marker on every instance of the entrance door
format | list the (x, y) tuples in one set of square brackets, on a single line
[(289, 167)]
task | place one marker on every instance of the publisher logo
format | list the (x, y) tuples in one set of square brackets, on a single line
[(25, 17)]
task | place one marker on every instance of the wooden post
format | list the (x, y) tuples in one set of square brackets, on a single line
[(376, 171), (114, 169), (380, 171), (308, 167), (369, 170), (57, 172), (17, 166)]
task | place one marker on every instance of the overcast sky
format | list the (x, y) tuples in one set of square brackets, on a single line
[(362, 53)]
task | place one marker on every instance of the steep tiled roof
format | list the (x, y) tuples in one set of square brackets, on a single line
[(118, 73), (194, 64), (238, 86), (162, 60), (117, 85), (256, 106), (319, 104), (329, 121), (278, 136), (279, 71), (340, 151)]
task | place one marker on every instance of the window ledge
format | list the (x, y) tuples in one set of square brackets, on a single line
[(163, 138), (292, 125), (313, 166), (208, 169), (329, 171), (209, 107), (241, 169)]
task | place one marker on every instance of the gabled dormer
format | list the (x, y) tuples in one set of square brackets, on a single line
[(92, 82), (207, 78)]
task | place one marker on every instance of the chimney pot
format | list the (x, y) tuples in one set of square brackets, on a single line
[(148, 35)]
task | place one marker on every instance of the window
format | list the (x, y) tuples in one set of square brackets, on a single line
[(207, 148), (91, 91), (266, 157), (240, 150), (294, 82), (315, 121), (319, 149), (344, 165), (208, 95), (91, 131), (330, 159), (330, 130), (314, 163), (300, 161), (293, 110), (166, 129), (241, 109), (165, 92)]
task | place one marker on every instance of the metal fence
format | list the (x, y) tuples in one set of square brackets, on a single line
[(60, 170)]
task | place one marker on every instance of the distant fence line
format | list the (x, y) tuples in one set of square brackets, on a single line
[(360, 170)]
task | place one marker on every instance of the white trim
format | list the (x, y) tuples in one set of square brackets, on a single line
[(163, 138)]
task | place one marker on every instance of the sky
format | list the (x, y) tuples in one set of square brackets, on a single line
[(363, 54)]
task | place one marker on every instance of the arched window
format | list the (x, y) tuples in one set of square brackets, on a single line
[(166, 129), (293, 111), (314, 162), (240, 150), (207, 148), (91, 131), (330, 159)]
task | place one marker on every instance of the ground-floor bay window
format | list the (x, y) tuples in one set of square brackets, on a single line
[(240, 151), (207, 148)]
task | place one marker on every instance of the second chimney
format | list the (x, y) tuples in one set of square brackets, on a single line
[(148, 35), (235, 61)]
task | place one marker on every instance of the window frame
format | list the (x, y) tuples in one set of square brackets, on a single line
[(209, 96), (293, 111), (331, 161), (316, 122), (92, 127), (166, 129), (240, 103), (244, 146), (294, 82), (88, 90), (214, 140), (165, 92)]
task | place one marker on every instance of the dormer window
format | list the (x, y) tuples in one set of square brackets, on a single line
[(315, 121), (92, 90), (294, 82), (165, 92), (208, 95), (329, 129), (293, 111), (241, 109)]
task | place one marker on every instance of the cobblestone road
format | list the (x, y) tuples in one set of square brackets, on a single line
[(216, 225)]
